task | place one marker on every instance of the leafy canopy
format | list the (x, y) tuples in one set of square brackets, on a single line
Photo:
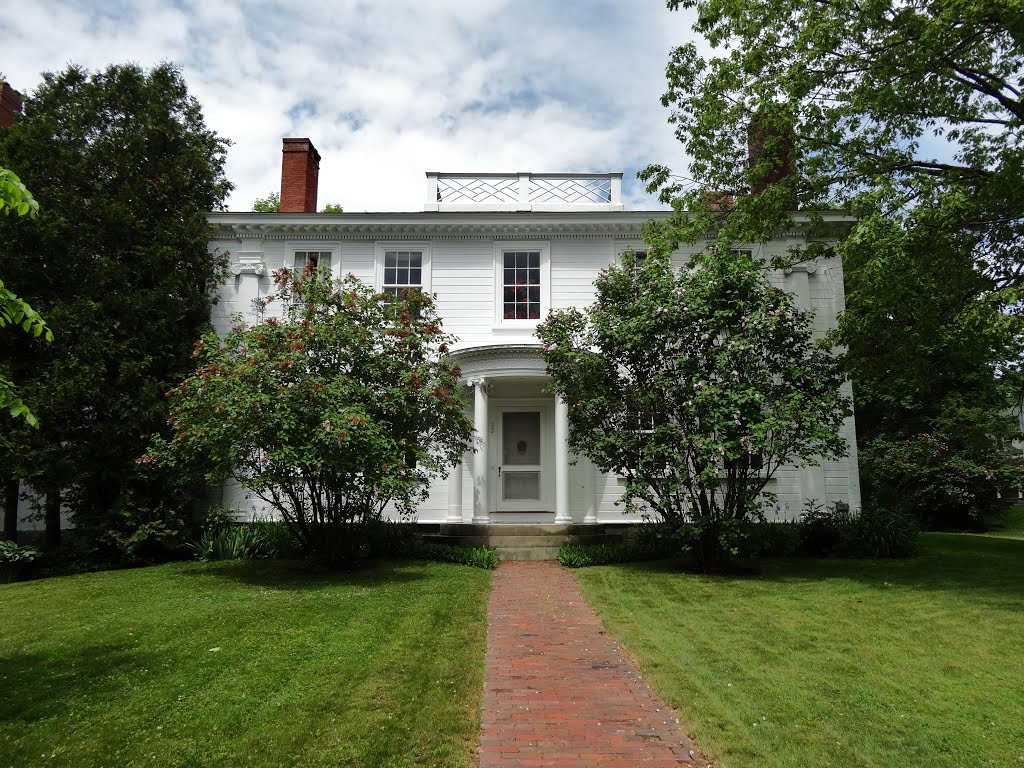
[(900, 92), (125, 171), (695, 385), (344, 404)]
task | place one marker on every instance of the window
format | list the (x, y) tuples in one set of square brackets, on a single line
[(523, 282), (634, 259), (402, 266), (521, 285), (403, 270), (316, 258)]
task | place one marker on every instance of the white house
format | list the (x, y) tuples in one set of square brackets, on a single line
[(499, 251)]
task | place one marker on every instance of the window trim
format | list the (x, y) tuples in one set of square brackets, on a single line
[(321, 247), (401, 245), (500, 248)]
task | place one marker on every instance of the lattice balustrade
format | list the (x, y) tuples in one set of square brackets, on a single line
[(570, 190), (524, 191), (478, 190)]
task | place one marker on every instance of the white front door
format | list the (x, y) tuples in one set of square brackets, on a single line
[(520, 460)]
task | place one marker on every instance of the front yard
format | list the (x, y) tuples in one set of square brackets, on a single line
[(915, 663), (241, 663)]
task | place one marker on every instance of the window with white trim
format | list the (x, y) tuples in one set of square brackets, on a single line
[(403, 271), (316, 258), (634, 259), (523, 280)]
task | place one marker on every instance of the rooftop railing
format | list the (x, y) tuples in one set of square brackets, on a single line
[(523, 192)]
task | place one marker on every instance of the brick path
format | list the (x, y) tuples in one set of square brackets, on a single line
[(558, 691)]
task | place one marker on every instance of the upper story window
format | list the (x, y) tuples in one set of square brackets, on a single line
[(316, 258), (402, 266), (632, 256), (522, 272), (403, 270)]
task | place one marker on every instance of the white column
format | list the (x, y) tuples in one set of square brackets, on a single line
[(481, 463), (455, 494), (589, 490), (561, 461)]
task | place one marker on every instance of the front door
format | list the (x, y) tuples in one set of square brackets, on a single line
[(520, 461)]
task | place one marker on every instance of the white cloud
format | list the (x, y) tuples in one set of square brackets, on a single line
[(389, 89)]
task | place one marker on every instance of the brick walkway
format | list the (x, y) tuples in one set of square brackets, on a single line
[(558, 691)]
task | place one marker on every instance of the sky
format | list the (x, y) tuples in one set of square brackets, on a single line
[(390, 89)]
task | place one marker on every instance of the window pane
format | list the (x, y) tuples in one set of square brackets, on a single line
[(390, 259), (510, 277), (521, 312), (521, 277), (510, 294), (509, 311), (416, 259), (534, 260), (415, 277), (390, 276), (403, 259), (510, 261), (535, 294), (522, 260), (534, 311), (534, 277), (521, 486)]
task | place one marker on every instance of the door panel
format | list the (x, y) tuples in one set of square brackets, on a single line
[(520, 473)]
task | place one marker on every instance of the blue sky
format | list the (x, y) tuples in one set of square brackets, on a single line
[(389, 89)]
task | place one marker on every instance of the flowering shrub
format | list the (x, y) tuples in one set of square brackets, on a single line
[(695, 386), (344, 404)]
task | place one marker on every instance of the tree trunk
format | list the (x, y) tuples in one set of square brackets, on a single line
[(11, 510), (52, 538)]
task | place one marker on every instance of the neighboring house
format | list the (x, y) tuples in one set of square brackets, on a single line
[(499, 251)]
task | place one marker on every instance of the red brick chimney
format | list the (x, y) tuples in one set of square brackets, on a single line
[(761, 132), (10, 105), (300, 173)]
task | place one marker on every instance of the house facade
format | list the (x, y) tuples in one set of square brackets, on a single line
[(499, 251)]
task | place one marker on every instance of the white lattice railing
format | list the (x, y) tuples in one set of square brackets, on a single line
[(524, 191)]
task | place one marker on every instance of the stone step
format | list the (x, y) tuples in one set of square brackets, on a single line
[(526, 553), (503, 540)]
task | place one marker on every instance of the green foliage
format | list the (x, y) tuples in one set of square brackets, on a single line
[(10, 552), (909, 116), (233, 542), (940, 481), (478, 557), (838, 532), (125, 171), (345, 404), (16, 199), (269, 204), (695, 386), (333, 208), (14, 559)]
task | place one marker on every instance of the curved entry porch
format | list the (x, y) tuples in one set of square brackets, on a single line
[(520, 470)]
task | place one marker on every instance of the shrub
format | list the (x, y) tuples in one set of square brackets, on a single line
[(479, 557), (873, 532), (14, 559), (649, 541), (242, 541)]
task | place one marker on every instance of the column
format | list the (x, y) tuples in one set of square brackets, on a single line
[(481, 463), (812, 478), (561, 461), (455, 494), (589, 490)]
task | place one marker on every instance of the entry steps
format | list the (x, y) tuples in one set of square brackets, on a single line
[(523, 541)]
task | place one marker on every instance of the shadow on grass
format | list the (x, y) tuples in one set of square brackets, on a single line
[(303, 574), (40, 686), (987, 569)]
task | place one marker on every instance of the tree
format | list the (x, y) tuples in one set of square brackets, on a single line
[(695, 386), (272, 204), (124, 169), (344, 405), (269, 204), (913, 95), (909, 116), (15, 198)]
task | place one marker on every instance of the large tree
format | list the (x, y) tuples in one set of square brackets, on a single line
[(342, 404), (696, 386), (908, 115), (124, 169)]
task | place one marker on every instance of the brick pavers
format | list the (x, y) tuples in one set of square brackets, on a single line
[(558, 691)]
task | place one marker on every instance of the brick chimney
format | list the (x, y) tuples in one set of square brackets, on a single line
[(300, 173), (761, 132), (10, 105)]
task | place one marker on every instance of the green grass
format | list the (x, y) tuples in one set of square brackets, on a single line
[(1011, 526), (244, 663), (915, 663)]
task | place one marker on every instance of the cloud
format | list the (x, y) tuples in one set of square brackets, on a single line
[(387, 90)]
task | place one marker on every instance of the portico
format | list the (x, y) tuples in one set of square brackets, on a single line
[(520, 460)]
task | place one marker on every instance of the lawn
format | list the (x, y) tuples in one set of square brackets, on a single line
[(244, 664), (830, 663)]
